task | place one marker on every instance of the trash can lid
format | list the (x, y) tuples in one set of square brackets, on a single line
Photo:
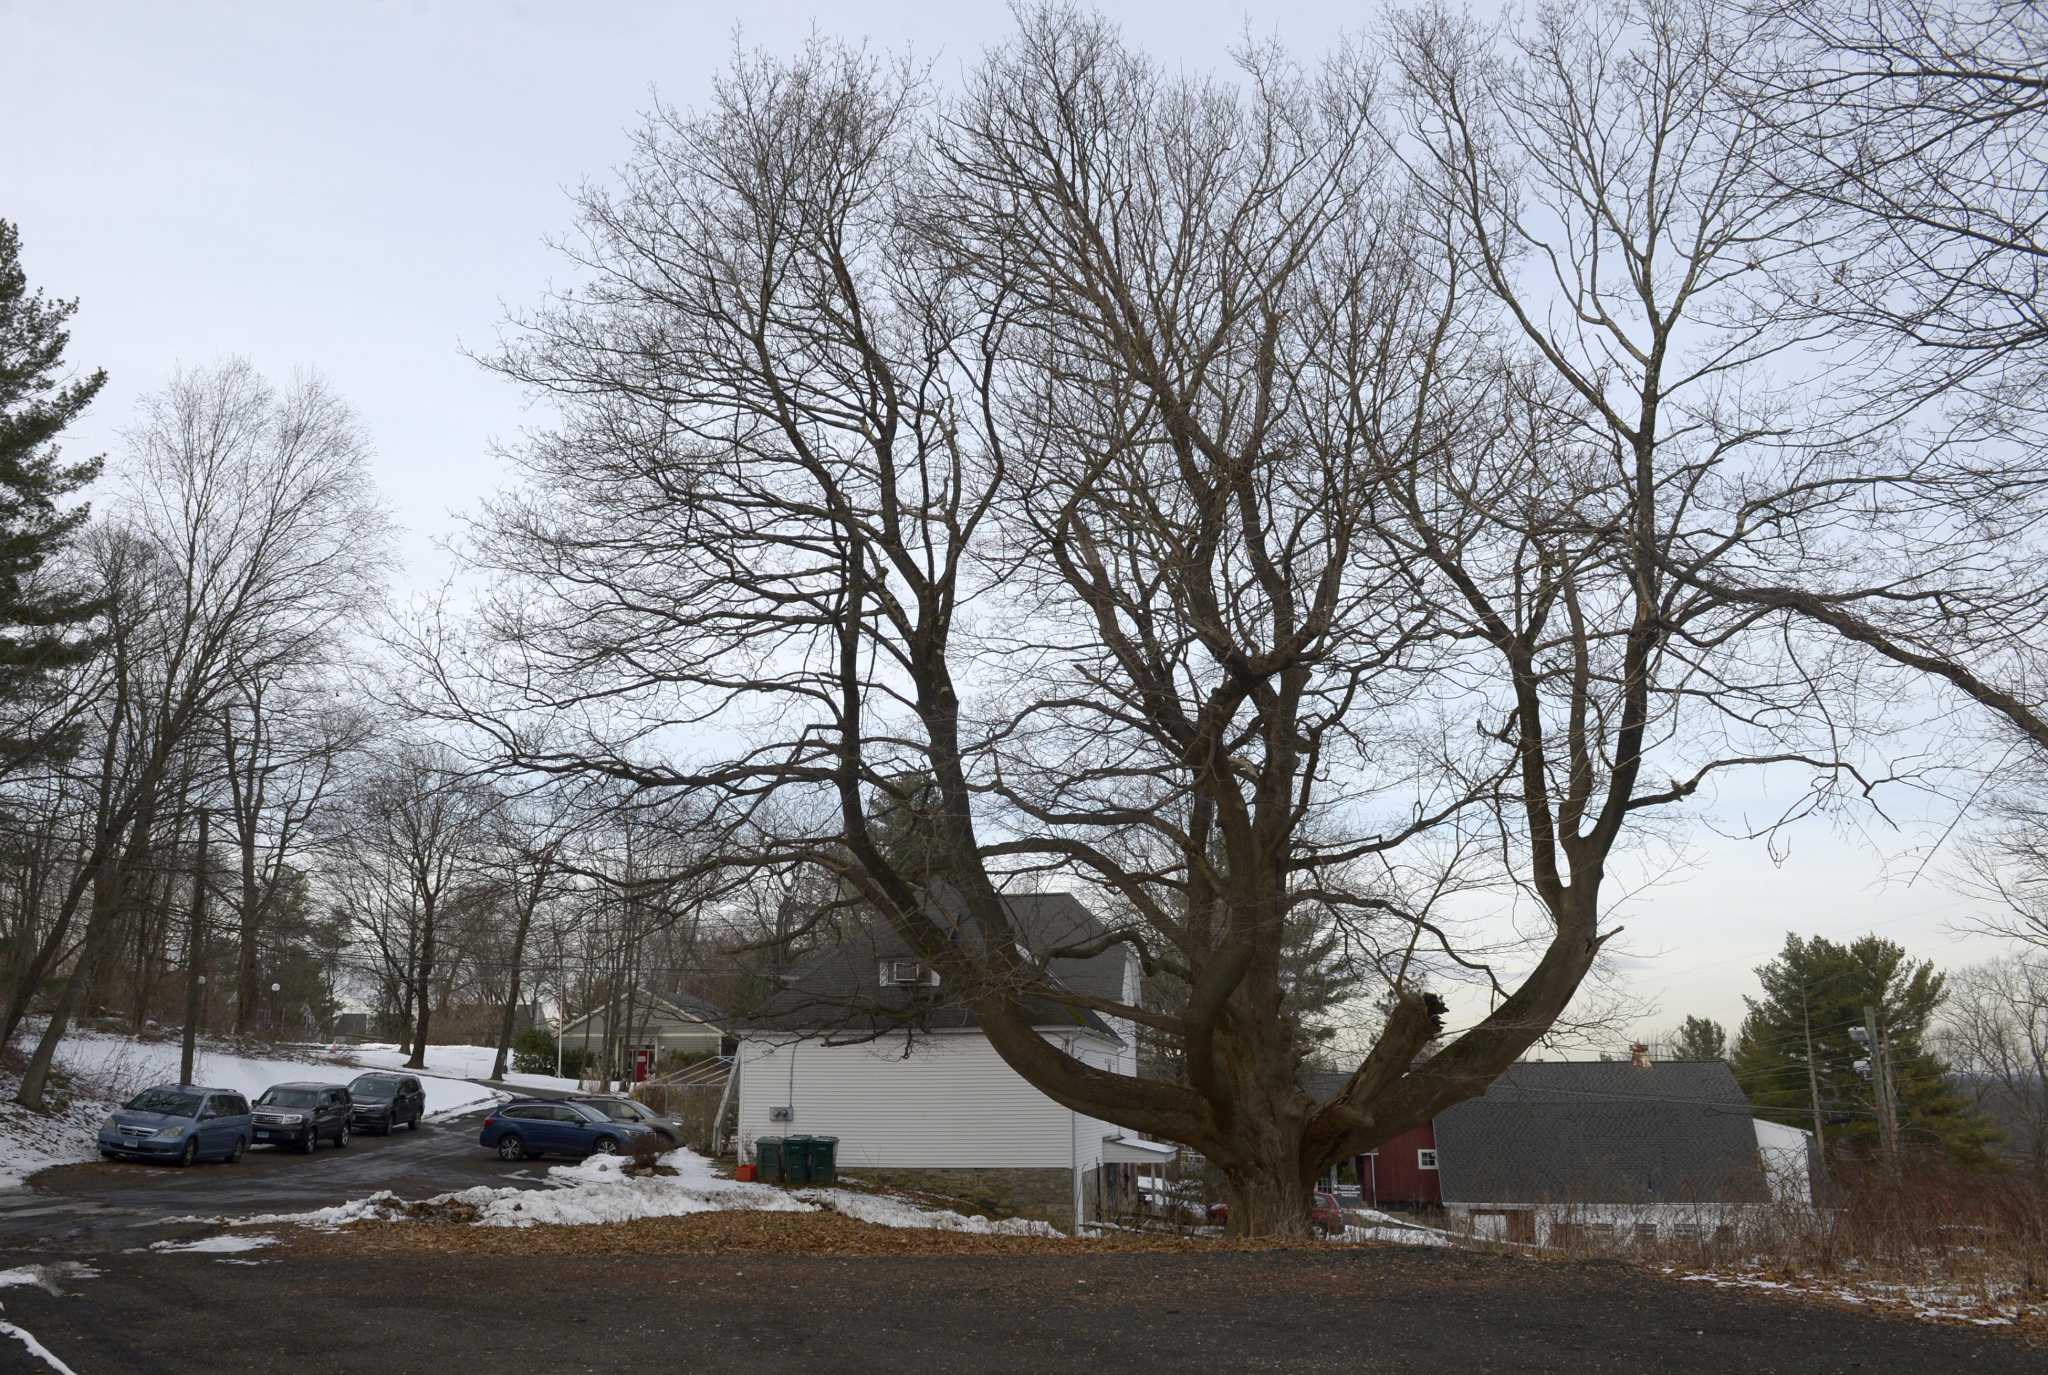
[(768, 1141), (825, 1140)]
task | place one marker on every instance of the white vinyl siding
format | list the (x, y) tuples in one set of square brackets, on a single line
[(951, 1104)]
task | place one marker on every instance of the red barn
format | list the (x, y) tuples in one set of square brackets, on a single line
[(1402, 1172)]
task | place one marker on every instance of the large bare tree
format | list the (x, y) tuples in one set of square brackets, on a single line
[(1131, 475)]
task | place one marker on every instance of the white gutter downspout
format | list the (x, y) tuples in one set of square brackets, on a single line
[(1074, 1152)]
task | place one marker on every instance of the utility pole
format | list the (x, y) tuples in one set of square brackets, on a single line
[(1881, 1084), (1820, 1132), (195, 938)]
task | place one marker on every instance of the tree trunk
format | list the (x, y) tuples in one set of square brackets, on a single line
[(1270, 1197), (425, 995), (195, 947), (118, 873), (246, 995), (512, 994)]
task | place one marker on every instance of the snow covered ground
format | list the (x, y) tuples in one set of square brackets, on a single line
[(1932, 1303), (127, 1065), (459, 1062), (32, 1141), (1366, 1224), (598, 1190), (107, 1069)]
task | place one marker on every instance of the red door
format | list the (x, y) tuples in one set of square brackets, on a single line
[(643, 1063)]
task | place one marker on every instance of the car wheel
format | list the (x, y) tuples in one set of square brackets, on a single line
[(607, 1145), (415, 1124), (190, 1153), (511, 1147), (341, 1140), (235, 1152), (312, 1141)]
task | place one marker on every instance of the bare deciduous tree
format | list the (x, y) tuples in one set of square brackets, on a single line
[(1994, 1030), (245, 528)]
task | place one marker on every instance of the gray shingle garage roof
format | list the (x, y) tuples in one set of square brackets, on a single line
[(1603, 1132)]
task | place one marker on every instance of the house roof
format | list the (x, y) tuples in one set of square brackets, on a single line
[(839, 992), (679, 1005), (1550, 1131)]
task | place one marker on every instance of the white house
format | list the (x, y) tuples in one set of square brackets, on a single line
[(660, 1027), (862, 1043)]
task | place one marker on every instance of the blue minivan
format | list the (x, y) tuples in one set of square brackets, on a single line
[(178, 1122)]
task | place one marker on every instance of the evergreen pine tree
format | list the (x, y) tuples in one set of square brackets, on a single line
[(42, 621), (1699, 1038), (1820, 986)]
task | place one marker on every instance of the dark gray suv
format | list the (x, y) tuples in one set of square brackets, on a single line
[(386, 1102), (302, 1115)]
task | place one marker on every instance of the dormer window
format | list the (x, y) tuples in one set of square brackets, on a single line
[(907, 974)]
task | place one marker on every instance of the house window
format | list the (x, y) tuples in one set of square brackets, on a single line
[(907, 973), (1425, 1159)]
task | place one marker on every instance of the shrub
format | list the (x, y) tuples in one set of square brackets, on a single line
[(534, 1051)]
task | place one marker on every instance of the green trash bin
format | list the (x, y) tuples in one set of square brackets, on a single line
[(768, 1158), (824, 1158), (796, 1161)]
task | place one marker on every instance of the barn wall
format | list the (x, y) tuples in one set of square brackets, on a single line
[(1393, 1176)]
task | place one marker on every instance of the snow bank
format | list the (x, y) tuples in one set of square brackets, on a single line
[(598, 1190), (1402, 1236), (127, 1065), (458, 1062), (32, 1141)]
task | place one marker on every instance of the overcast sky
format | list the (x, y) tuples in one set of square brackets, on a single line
[(362, 189)]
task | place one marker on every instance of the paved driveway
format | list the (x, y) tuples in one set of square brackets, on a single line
[(80, 1208)]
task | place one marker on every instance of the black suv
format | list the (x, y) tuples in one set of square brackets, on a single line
[(383, 1102), (300, 1114)]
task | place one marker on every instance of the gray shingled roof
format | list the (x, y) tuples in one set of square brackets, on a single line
[(1550, 1131), (838, 993)]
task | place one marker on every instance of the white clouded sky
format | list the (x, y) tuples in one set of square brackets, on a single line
[(361, 189)]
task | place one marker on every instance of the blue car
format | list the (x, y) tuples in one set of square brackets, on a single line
[(178, 1122), (531, 1127)]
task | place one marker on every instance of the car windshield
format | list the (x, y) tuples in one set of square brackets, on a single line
[(289, 1098), (373, 1089), (169, 1102)]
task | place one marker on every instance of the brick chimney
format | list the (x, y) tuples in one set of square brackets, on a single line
[(1639, 1055)]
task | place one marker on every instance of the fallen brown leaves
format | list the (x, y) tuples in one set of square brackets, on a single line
[(738, 1232)]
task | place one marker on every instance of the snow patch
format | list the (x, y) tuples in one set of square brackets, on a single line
[(217, 1245), (45, 1277), (36, 1348)]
